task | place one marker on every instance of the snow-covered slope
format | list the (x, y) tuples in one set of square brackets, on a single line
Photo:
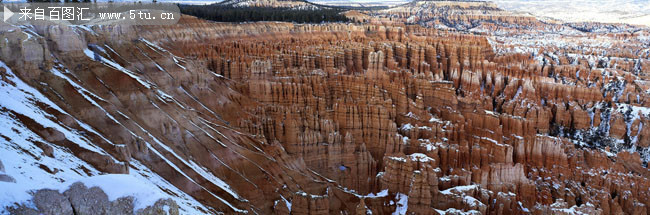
[(608, 11), (34, 163)]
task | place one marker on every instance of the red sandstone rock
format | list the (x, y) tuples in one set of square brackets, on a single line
[(323, 115)]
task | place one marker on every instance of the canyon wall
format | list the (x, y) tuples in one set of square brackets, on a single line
[(279, 118)]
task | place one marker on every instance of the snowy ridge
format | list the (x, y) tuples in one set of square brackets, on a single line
[(607, 11), (21, 100)]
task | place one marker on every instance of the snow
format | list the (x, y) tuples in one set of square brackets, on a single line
[(287, 202), (11, 192), (434, 119), (607, 11), (88, 96), (121, 185), (491, 140), (456, 211), (524, 209), (167, 98), (303, 193), (412, 115), (22, 99), (458, 189), (196, 168), (380, 174), (86, 28), (429, 146), (199, 102), (591, 117), (207, 133), (96, 57), (406, 127), (187, 204), (518, 92), (214, 179), (177, 62), (420, 157), (405, 140), (472, 202), (632, 114), (637, 111), (400, 159), (153, 46), (557, 207), (491, 113), (201, 171), (25, 162), (425, 128), (402, 204), (382, 193)]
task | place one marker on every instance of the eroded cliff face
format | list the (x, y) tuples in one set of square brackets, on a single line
[(277, 118), (459, 15)]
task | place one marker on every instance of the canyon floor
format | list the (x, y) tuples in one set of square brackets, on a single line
[(430, 107)]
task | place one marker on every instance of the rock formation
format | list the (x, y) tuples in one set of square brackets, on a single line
[(380, 117), (79, 199)]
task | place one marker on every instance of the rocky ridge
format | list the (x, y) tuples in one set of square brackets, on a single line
[(79, 199)]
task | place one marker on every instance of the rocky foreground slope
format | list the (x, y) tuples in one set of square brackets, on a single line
[(279, 118)]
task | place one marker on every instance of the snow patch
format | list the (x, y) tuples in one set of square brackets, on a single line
[(402, 204)]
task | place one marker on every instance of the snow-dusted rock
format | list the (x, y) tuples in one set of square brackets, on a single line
[(81, 200)]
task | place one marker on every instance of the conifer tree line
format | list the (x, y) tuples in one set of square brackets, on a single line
[(223, 13), (57, 1)]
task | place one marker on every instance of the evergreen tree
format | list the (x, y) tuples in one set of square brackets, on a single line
[(222, 13)]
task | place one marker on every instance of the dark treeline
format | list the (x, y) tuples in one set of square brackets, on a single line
[(56, 1), (222, 13)]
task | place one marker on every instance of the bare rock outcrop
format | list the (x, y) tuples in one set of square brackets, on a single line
[(78, 199)]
